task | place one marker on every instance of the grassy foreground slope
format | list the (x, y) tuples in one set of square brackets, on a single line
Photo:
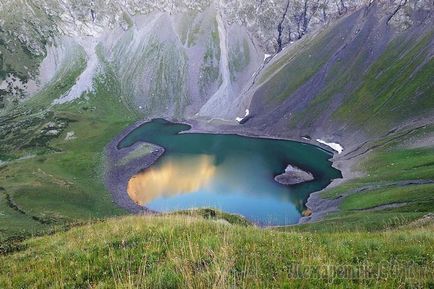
[(189, 252)]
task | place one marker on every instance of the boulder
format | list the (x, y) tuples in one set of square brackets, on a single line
[(293, 176)]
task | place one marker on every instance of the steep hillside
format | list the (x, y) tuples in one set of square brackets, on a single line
[(357, 79), (206, 59)]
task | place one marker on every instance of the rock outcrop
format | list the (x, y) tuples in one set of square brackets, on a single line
[(293, 176)]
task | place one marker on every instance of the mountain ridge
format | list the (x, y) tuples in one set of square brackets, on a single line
[(53, 21)]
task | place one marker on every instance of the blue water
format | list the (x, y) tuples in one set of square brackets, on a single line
[(227, 172)]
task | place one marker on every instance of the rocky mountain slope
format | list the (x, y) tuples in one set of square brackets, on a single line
[(358, 79), (183, 60)]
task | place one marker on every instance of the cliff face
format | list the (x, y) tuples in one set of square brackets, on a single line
[(203, 59)]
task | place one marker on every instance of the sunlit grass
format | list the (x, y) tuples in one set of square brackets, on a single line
[(187, 252)]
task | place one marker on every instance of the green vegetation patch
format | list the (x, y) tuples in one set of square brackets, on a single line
[(63, 182), (396, 188), (216, 215), (360, 221), (394, 195), (239, 58), (187, 252), (396, 86), (210, 69), (139, 151), (283, 77)]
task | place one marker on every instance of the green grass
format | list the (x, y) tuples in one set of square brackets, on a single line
[(396, 85), (62, 82), (210, 69), (355, 221), (401, 164), (139, 151), (186, 252), (63, 182), (355, 92), (213, 214), (399, 195), (14, 223), (391, 172), (283, 77), (387, 167), (239, 57)]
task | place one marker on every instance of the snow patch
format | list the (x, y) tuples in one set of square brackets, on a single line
[(335, 146), (239, 119)]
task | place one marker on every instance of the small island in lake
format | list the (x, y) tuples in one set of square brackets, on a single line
[(293, 176)]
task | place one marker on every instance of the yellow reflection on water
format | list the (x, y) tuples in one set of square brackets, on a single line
[(175, 176)]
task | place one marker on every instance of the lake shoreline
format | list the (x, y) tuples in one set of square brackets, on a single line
[(116, 177)]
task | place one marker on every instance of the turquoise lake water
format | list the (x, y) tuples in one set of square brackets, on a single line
[(227, 172)]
